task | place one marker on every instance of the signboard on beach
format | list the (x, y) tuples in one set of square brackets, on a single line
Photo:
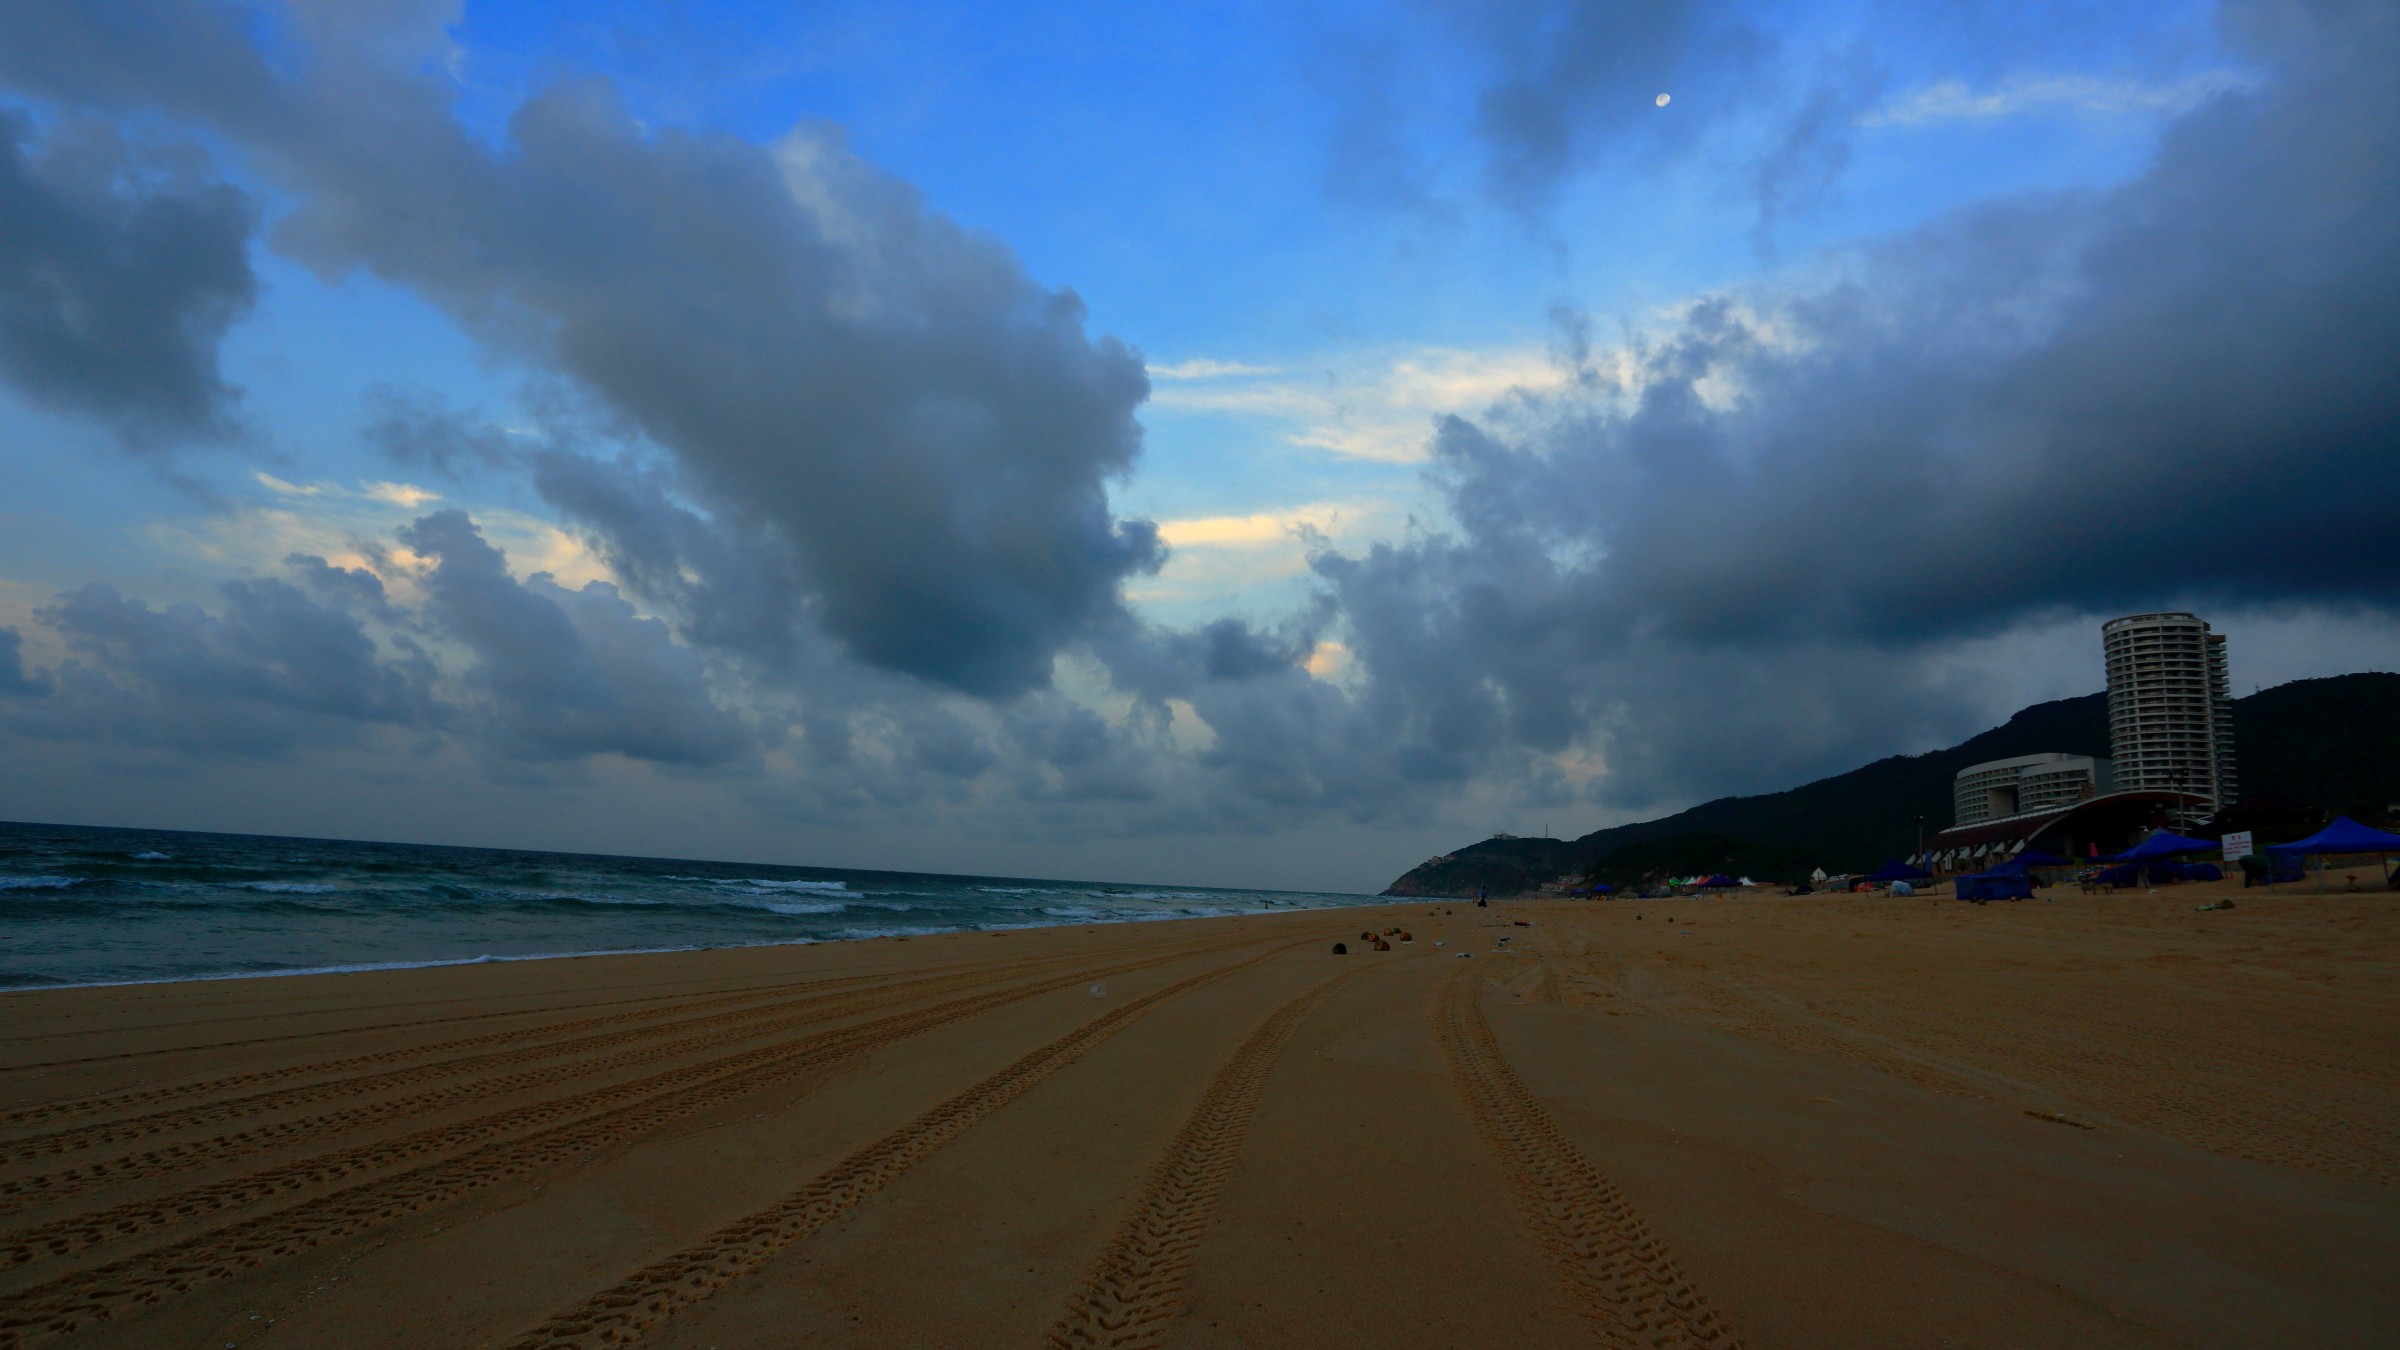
[(2237, 845)]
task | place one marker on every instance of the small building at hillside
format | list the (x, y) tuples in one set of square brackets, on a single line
[(1999, 789)]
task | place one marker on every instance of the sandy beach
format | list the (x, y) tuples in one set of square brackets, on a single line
[(1826, 1121)]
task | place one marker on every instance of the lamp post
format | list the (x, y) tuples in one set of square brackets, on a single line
[(1921, 843)]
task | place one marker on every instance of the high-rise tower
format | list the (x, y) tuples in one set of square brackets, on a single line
[(2170, 706)]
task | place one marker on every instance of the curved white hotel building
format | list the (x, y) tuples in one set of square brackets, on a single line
[(2170, 706)]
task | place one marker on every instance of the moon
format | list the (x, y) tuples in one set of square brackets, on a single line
[(1662, 99)]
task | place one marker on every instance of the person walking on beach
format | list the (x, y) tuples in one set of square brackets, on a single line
[(1479, 897)]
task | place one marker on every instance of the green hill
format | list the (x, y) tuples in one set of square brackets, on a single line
[(2331, 743)]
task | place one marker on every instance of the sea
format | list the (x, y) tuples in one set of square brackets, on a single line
[(84, 905)]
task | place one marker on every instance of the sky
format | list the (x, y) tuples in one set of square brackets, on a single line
[(1249, 445)]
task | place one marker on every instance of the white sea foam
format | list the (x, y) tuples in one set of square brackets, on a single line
[(765, 885), (367, 967), (774, 904), (150, 857), (37, 883)]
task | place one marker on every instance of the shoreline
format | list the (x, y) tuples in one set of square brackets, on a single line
[(487, 959)]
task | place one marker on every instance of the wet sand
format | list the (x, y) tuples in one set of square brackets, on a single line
[(1827, 1121)]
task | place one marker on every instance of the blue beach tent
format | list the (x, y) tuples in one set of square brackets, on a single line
[(1896, 870), (1996, 886), (2160, 844), (2344, 835)]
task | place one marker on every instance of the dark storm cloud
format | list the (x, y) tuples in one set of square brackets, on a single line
[(569, 673), (14, 682), (350, 588), (414, 427), (1553, 87), (1569, 73), (1368, 158), (1815, 141), (266, 673), (1751, 560), (269, 645), (536, 671), (121, 267), (927, 431), (731, 582)]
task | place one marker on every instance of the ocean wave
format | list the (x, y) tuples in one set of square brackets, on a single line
[(469, 900), (94, 907)]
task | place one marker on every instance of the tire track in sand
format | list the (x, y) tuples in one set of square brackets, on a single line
[(749, 1024), (1139, 1281), (1617, 1273), (73, 1107), (634, 1306), (60, 1305)]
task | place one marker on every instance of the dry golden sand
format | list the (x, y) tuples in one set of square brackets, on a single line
[(1830, 1121)]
